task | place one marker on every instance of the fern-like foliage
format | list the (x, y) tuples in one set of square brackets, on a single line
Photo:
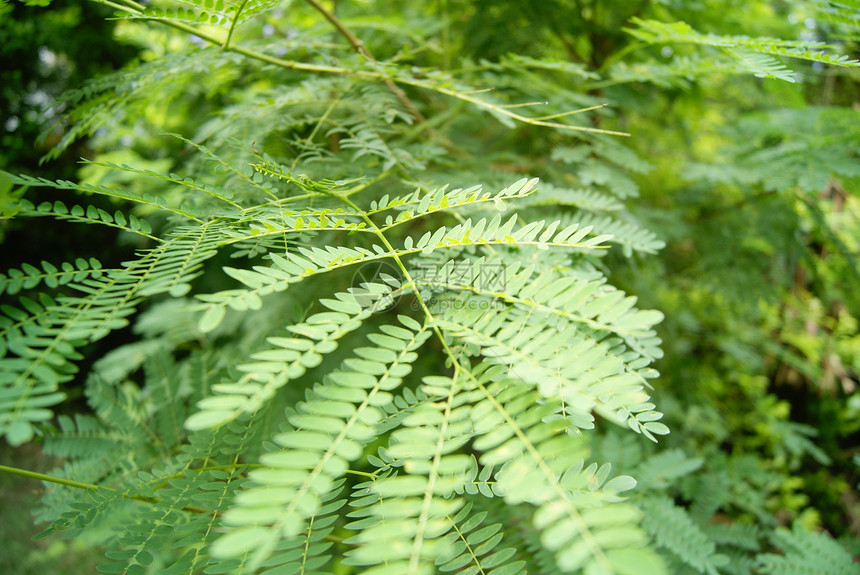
[(806, 552), (504, 395), (675, 531), (519, 407), (754, 54), (355, 344)]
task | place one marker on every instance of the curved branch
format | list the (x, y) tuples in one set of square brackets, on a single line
[(138, 12), (359, 47), (81, 485)]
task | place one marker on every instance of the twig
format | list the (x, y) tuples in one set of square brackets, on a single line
[(233, 24), (362, 49), (81, 485), (137, 11)]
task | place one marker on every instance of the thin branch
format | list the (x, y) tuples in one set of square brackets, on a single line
[(524, 105), (233, 24), (113, 5), (375, 75), (345, 32), (570, 113), (359, 47), (81, 485), (504, 112)]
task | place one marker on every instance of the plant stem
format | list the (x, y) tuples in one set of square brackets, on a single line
[(49, 478), (378, 74), (362, 49), (233, 24), (81, 485)]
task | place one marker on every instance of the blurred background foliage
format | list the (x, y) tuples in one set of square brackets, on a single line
[(753, 183)]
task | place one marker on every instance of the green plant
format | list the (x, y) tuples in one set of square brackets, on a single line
[(365, 338)]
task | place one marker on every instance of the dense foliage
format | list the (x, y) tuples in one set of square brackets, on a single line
[(388, 282)]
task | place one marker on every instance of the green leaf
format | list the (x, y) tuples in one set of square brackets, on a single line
[(19, 432), (208, 419), (238, 541), (212, 318)]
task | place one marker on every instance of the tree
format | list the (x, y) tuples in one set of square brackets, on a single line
[(368, 285)]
